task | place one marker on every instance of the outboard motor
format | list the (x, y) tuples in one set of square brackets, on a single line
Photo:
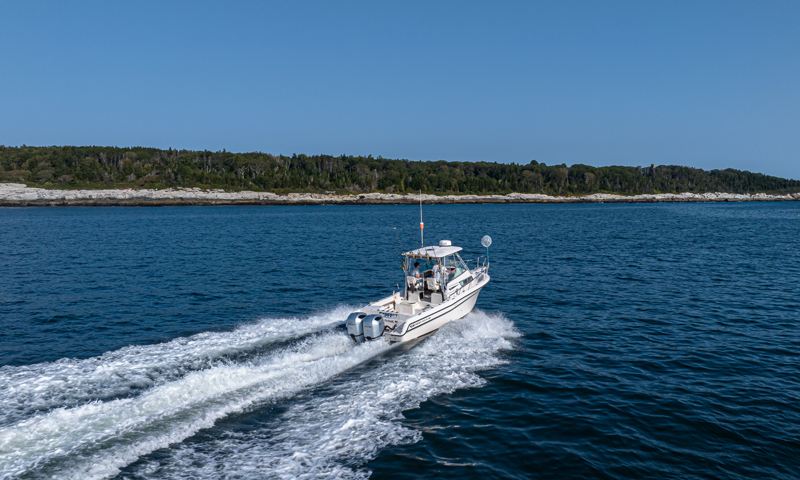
[(355, 326), (373, 327)]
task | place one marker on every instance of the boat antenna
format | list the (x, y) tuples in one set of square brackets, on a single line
[(421, 225), (486, 241)]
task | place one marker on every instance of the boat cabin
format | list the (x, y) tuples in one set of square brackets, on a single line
[(433, 274)]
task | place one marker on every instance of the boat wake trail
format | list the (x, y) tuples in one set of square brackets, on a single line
[(331, 431), (69, 382)]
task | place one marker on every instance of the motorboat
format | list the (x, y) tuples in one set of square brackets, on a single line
[(439, 289)]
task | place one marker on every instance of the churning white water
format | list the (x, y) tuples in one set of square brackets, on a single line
[(69, 382), (331, 432)]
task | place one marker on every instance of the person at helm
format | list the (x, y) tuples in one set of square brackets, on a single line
[(415, 271)]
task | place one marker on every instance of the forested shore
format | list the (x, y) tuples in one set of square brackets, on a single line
[(69, 167)]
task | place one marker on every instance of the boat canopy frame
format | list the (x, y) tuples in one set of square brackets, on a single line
[(441, 257), (435, 252)]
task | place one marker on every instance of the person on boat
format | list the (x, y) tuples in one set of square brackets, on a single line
[(415, 271), (438, 269), (436, 273)]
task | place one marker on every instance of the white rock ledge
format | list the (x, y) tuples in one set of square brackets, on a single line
[(15, 194)]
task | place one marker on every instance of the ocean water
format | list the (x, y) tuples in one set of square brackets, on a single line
[(613, 342)]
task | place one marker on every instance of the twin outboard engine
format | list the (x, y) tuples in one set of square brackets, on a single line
[(373, 327), (355, 326), (361, 326)]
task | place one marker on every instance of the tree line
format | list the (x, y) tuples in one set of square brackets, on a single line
[(110, 167)]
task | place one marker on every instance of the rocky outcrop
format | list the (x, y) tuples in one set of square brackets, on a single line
[(15, 194)]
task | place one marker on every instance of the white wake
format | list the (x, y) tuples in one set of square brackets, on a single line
[(70, 382), (327, 435)]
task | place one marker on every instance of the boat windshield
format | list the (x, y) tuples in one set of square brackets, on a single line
[(454, 265)]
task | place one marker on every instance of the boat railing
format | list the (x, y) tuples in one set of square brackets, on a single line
[(480, 262)]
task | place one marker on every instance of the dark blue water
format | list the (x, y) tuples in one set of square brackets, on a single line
[(614, 341)]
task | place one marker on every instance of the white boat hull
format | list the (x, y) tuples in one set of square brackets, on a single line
[(433, 319), (426, 305), (430, 322)]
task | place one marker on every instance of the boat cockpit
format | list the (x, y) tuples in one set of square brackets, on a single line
[(433, 274)]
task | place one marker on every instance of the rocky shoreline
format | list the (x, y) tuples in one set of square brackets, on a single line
[(19, 195)]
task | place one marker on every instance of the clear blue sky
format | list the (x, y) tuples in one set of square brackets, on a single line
[(700, 83)]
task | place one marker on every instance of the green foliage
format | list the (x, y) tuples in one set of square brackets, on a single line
[(104, 167)]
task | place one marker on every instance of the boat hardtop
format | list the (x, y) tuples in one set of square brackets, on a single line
[(439, 287), (441, 251)]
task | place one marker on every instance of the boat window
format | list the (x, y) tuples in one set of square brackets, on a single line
[(455, 266)]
